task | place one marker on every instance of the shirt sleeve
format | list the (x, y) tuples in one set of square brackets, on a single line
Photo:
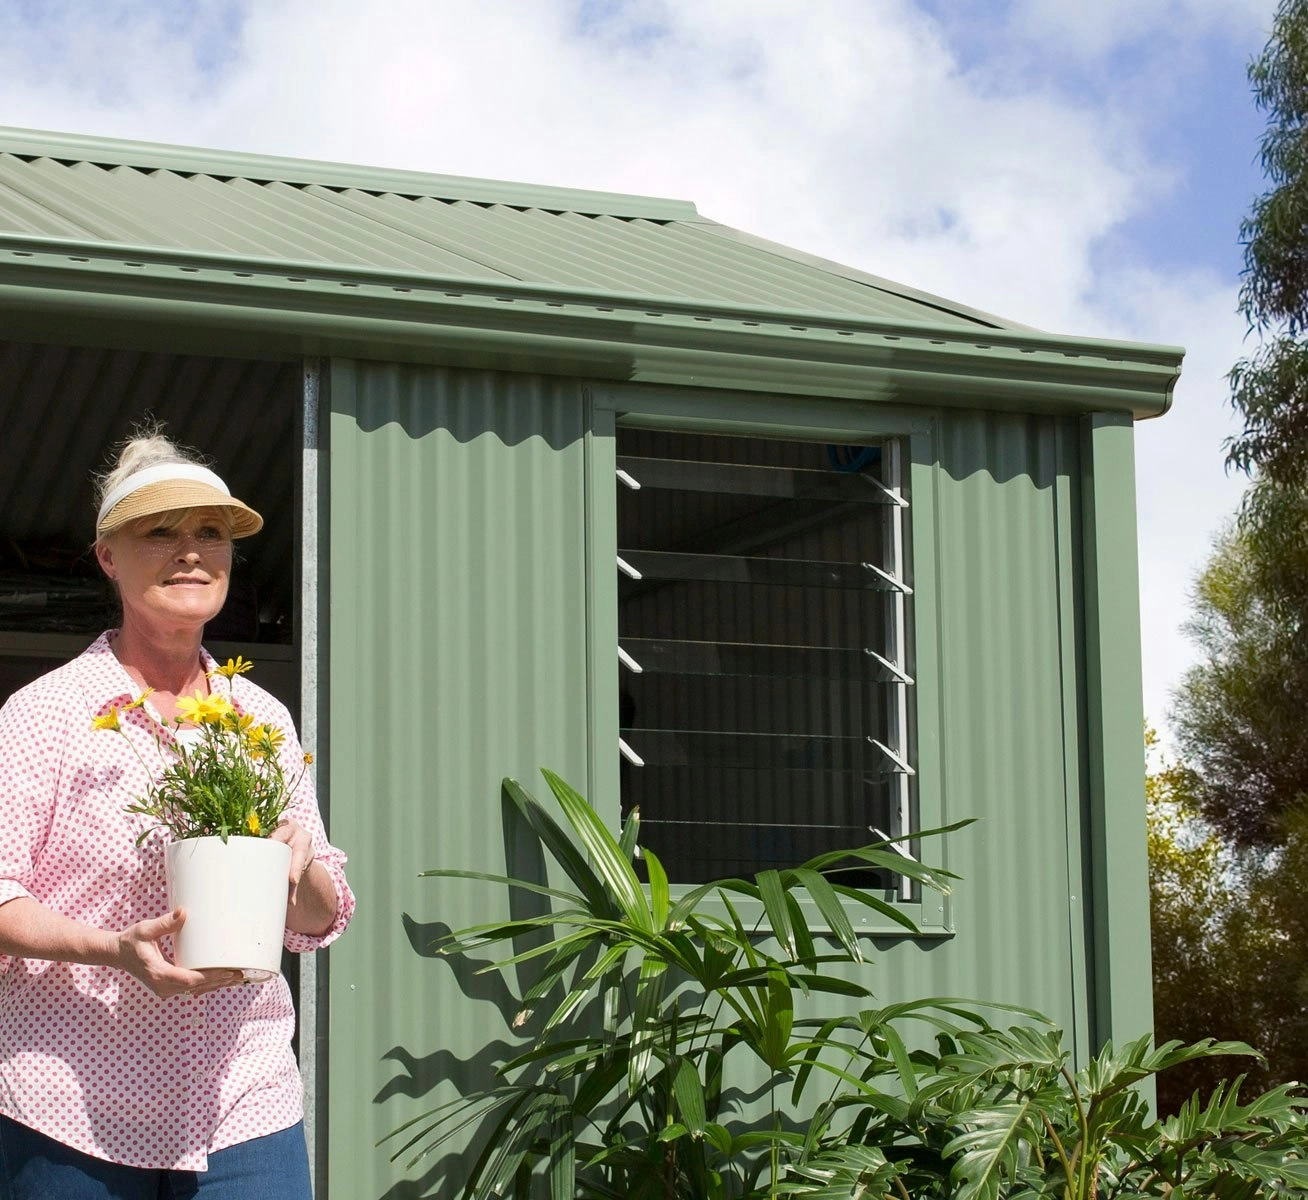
[(32, 734), (304, 810)]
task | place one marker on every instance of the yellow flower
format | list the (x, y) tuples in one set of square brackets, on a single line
[(263, 740), (308, 759), (107, 720), (238, 722), (252, 823), (203, 710), (233, 667), (140, 700)]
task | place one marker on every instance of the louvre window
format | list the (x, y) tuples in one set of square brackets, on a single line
[(764, 619)]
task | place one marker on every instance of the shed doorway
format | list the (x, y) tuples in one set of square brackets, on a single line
[(62, 408)]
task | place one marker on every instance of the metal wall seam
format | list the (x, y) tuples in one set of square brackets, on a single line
[(311, 644)]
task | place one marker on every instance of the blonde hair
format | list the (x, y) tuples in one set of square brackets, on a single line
[(147, 447), (150, 474)]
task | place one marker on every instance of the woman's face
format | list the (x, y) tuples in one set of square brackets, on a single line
[(170, 576)]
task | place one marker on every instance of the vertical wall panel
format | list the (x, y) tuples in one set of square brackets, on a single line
[(1114, 715), (1002, 718), (458, 656)]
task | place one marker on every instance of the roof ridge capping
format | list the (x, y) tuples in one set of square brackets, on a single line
[(261, 167)]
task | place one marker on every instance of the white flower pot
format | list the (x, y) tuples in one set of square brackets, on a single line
[(235, 895)]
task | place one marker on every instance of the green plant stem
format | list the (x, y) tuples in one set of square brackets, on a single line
[(1082, 1153), (903, 1191), (148, 773), (836, 1080), (774, 1151), (1061, 1152), (669, 1163)]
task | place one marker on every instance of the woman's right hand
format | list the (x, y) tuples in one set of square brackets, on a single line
[(140, 956)]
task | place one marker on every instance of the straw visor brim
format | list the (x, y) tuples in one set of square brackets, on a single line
[(170, 494)]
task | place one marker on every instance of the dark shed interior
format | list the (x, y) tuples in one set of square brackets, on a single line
[(62, 409)]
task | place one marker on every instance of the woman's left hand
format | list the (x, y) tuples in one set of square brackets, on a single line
[(293, 834)]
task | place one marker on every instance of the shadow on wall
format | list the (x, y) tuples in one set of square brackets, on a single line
[(420, 1074), (464, 404), (1008, 446)]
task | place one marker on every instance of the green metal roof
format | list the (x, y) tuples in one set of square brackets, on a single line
[(324, 258)]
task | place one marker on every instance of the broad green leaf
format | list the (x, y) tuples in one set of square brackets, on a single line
[(598, 1084), (833, 912), (645, 1024), (562, 847), (659, 894), (778, 1017), (589, 982), (554, 970), (689, 1094), (507, 880), (719, 1136), (774, 905), (884, 907), (987, 1151), (611, 864), (805, 950), (630, 834), (562, 1152), (904, 1064)]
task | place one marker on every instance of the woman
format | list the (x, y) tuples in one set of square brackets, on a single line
[(123, 1075)]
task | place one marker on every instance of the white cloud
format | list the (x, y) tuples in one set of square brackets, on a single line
[(856, 131), (1093, 29)]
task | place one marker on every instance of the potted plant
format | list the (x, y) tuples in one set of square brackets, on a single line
[(222, 792)]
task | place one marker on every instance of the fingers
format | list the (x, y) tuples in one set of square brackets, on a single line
[(141, 957), (215, 979), (301, 843), (157, 927)]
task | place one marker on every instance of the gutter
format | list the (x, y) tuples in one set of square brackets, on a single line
[(212, 303)]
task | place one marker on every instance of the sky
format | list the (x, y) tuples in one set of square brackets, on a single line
[(1081, 167)]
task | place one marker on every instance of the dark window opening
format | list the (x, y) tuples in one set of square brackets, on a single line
[(763, 643)]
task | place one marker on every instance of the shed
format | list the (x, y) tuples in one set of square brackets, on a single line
[(780, 551)]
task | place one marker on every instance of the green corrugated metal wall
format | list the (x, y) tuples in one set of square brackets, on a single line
[(458, 576), (458, 611), (1002, 510)]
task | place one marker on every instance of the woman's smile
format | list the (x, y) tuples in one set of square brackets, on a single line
[(170, 570)]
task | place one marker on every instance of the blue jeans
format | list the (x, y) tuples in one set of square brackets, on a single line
[(35, 1167)]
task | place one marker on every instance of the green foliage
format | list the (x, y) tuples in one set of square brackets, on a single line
[(1230, 938), (1276, 231), (649, 1009), (1270, 389), (1240, 718)]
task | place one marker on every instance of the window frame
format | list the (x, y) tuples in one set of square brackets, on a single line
[(749, 415)]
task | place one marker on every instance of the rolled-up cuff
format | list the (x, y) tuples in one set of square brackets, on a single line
[(305, 943), (10, 890)]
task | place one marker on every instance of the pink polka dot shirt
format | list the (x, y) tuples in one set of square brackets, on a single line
[(88, 1055)]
